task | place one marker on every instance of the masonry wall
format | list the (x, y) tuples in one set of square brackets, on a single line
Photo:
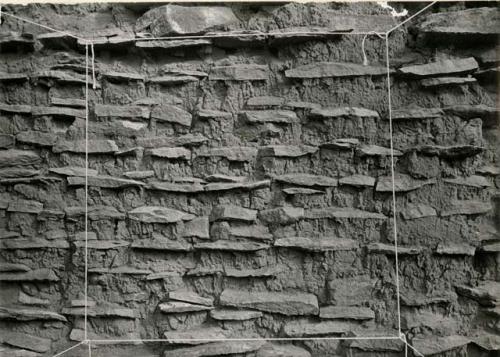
[(240, 186)]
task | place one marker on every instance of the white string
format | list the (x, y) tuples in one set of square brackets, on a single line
[(395, 229), (0, 14), (248, 339), (68, 349), (94, 86), (365, 59), (411, 17), (414, 349), (90, 348), (86, 179)]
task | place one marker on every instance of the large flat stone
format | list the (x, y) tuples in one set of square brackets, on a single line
[(455, 249), (269, 116), (14, 157), (15, 108), (275, 302), (468, 24), (488, 114), (282, 215), (175, 307), (169, 141), (94, 212), (103, 181), (177, 153), (286, 151), (443, 67), (216, 349), (307, 180), (106, 310), (471, 181), (231, 246), (18, 173), (58, 112), (26, 341), (33, 275), (334, 69), (446, 81), (184, 20), (25, 206), (343, 112), (432, 345), (33, 243), (122, 111), (346, 313), (36, 138), (13, 267), (73, 171), (375, 150), (29, 314), (196, 336), (313, 244), (466, 207), (410, 114), (252, 273), (172, 45), (402, 183), (190, 297), (265, 101), (231, 153), (418, 210), (310, 329), (282, 350), (254, 231), (232, 213), (156, 214), (486, 293), (176, 187), (162, 244), (450, 152), (299, 34), (226, 186), (80, 147), (390, 249), (171, 114), (240, 72), (197, 227), (235, 315)]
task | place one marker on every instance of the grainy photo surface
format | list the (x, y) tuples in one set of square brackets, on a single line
[(249, 180)]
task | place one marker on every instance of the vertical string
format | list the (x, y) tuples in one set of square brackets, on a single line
[(365, 59), (86, 179), (395, 226), (93, 67)]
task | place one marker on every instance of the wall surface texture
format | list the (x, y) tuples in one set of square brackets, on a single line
[(239, 183)]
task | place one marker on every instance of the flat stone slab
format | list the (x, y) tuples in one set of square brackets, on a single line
[(190, 297), (488, 114), (60, 112), (184, 20), (416, 114), (73, 171), (418, 210), (414, 299), (13, 267), (287, 151), (229, 245), (252, 273), (111, 310), (18, 173), (487, 292), (310, 329), (450, 152), (444, 67), (232, 213), (177, 153), (289, 350), (375, 150), (216, 349), (455, 249), (471, 181), (156, 214), (197, 336), (33, 243), (103, 181), (269, 116), (39, 138), (25, 341), (431, 345), (122, 111), (245, 186), (466, 207), (29, 314), (346, 312), (402, 183), (379, 345), (25, 206), (235, 315), (14, 158), (122, 76), (343, 112), (464, 24), (314, 244), (94, 212), (80, 147), (67, 102), (15, 108), (307, 180), (239, 72), (342, 212), (174, 307), (275, 302), (446, 81), (121, 270), (357, 181), (390, 249), (139, 175), (265, 101), (334, 70), (169, 141), (176, 187), (173, 44), (231, 153), (171, 114), (162, 244), (282, 215), (341, 144)]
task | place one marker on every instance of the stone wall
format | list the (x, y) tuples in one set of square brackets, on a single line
[(239, 186)]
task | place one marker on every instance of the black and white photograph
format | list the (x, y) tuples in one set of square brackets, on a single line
[(249, 179)]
